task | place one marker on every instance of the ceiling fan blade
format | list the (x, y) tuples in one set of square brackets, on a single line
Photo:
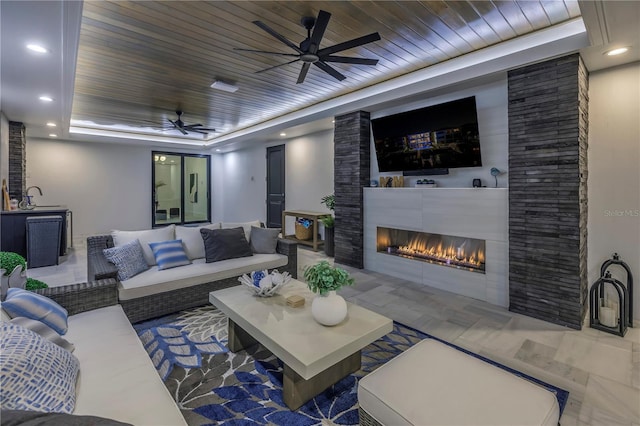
[(347, 60), (278, 36), (276, 66), (349, 44), (175, 124), (329, 70), (264, 51), (187, 126), (303, 72), (318, 30), (199, 131)]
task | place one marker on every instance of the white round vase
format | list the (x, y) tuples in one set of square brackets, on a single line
[(330, 309)]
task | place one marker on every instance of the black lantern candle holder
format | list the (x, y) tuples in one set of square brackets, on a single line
[(604, 318)]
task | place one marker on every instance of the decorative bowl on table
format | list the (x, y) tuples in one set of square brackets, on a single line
[(265, 284)]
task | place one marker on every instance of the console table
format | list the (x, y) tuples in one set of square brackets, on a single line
[(314, 217)]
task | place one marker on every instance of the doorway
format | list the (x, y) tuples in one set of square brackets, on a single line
[(275, 186)]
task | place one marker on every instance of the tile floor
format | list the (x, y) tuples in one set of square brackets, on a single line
[(601, 371)]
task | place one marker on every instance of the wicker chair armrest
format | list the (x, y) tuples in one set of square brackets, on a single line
[(290, 249), (98, 267), (76, 298)]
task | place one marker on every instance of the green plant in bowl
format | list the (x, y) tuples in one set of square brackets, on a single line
[(322, 278)]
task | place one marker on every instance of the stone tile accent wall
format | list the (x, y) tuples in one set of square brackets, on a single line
[(352, 145), (548, 119), (17, 160)]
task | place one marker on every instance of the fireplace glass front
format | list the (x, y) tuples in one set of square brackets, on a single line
[(446, 250)]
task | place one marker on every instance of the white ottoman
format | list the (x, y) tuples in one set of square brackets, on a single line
[(434, 384)]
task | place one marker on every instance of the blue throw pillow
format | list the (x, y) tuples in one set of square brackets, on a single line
[(169, 254), (128, 258), (36, 374), (24, 303)]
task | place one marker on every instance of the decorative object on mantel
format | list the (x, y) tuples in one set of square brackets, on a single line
[(391, 181), (328, 308), (477, 183), (264, 284), (495, 172), (611, 314), (426, 183)]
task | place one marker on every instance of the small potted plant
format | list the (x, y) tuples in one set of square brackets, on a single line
[(329, 222), (327, 308)]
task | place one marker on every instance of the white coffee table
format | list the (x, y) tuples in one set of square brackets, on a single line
[(314, 356)]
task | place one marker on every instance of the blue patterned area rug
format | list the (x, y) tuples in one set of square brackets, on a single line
[(214, 386)]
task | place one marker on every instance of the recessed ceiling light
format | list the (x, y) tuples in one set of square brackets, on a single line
[(36, 48), (225, 87), (46, 98), (218, 150), (333, 121), (50, 124), (618, 51), (283, 134), (53, 135)]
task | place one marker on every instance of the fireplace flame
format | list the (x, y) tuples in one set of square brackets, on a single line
[(449, 254)]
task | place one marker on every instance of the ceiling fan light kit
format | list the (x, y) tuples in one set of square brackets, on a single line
[(225, 87), (309, 52)]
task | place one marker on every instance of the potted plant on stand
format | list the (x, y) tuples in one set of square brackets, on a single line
[(329, 222), (327, 308)]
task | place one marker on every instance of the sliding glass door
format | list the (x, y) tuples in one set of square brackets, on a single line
[(181, 185)]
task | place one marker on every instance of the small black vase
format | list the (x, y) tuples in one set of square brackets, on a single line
[(329, 241)]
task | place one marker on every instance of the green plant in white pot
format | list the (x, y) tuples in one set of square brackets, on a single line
[(328, 308)]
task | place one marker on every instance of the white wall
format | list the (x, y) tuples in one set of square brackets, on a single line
[(614, 171), (308, 178), (492, 108), (106, 186)]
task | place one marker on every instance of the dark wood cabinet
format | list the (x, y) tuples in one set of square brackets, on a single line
[(14, 229)]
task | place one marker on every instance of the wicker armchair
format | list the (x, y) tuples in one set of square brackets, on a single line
[(155, 305)]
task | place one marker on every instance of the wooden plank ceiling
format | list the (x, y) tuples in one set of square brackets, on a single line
[(140, 61)]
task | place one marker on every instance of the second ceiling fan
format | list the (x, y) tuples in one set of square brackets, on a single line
[(309, 51)]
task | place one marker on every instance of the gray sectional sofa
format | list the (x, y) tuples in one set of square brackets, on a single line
[(157, 292)]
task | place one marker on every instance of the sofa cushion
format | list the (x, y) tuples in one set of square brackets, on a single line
[(246, 226), (199, 272), (222, 244), (145, 237), (128, 258), (43, 331), (264, 240), (192, 239), (169, 254), (36, 374), (24, 303), (118, 380)]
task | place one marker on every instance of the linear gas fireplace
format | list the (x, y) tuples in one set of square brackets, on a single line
[(446, 250)]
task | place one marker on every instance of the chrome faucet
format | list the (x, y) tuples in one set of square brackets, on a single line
[(36, 187)]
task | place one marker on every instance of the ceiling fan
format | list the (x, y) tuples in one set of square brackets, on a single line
[(309, 51), (186, 128)]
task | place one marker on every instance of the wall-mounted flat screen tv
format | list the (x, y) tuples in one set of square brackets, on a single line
[(435, 137)]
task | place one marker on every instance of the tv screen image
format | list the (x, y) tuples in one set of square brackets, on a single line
[(438, 136)]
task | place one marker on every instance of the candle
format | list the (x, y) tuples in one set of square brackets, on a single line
[(608, 317)]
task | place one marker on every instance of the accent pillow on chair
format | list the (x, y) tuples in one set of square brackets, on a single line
[(264, 240), (128, 258), (36, 374), (169, 254), (222, 244), (44, 331), (25, 303)]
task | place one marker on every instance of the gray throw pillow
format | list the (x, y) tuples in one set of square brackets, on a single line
[(222, 244), (128, 258), (264, 240), (35, 418)]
